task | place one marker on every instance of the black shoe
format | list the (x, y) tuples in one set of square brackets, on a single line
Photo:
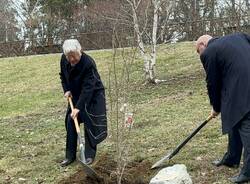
[(241, 178), (219, 163), (89, 161), (66, 162)]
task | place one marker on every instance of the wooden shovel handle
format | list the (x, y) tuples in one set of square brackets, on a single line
[(75, 119), (209, 118)]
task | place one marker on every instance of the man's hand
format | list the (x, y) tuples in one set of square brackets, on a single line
[(214, 114), (67, 94), (74, 113)]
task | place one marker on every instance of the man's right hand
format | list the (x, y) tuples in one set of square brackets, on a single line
[(67, 94), (214, 114)]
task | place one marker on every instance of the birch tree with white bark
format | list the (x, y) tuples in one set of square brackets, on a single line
[(148, 50)]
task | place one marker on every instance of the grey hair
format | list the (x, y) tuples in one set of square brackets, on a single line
[(71, 45)]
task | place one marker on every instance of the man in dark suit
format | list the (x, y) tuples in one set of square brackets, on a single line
[(226, 61), (81, 81)]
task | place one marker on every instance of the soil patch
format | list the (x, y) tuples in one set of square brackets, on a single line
[(106, 167)]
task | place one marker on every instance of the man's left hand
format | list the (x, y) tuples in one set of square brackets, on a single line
[(74, 113)]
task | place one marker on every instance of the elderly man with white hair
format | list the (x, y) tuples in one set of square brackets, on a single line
[(81, 81), (226, 61)]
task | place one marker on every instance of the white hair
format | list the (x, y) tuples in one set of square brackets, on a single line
[(71, 45)]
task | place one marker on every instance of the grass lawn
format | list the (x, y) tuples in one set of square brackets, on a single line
[(32, 109)]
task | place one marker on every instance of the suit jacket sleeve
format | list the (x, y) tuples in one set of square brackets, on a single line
[(88, 87), (213, 79), (65, 86), (247, 37)]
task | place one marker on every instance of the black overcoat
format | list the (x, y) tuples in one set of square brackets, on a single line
[(88, 94), (226, 61)]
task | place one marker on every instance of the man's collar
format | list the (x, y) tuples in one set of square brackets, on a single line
[(212, 40)]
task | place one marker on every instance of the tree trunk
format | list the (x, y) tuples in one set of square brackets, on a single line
[(147, 61), (149, 57), (150, 72)]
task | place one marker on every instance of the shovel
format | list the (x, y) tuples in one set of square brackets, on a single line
[(88, 170), (181, 145)]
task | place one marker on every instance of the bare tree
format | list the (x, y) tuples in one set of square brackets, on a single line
[(149, 32), (120, 111), (8, 23)]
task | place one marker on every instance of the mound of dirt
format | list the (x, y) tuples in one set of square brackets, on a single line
[(135, 173)]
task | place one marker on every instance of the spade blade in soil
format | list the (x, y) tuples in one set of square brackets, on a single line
[(157, 164), (182, 144), (89, 171)]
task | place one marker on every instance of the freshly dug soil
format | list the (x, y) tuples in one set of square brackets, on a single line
[(135, 173)]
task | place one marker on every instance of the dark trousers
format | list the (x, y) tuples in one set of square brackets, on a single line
[(239, 138), (71, 140)]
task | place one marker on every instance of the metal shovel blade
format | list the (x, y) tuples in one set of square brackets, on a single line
[(89, 171), (157, 164), (81, 154)]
